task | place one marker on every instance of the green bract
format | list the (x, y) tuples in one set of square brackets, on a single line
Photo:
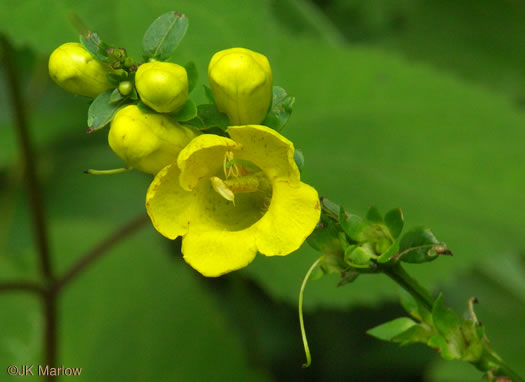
[(163, 86), (147, 141), (75, 70), (241, 82)]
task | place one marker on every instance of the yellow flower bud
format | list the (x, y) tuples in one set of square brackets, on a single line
[(147, 141), (163, 86), (241, 82), (75, 70)]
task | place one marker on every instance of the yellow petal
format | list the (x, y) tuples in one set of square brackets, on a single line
[(215, 253), (291, 217), (202, 158), (168, 205), (267, 149)]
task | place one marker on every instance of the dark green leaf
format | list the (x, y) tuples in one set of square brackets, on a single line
[(207, 117), (353, 225), (209, 94), (420, 245), (164, 35), (299, 159), (188, 111), (394, 220), (280, 110), (445, 319), (116, 96), (193, 75), (101, 111), (95, 46), (374, 216), (391, 329)]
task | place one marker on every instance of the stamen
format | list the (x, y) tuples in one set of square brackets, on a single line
[(222, 189)]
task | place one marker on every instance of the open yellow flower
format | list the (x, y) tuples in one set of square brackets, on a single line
[(231, 198)]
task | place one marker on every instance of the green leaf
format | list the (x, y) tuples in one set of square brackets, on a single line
[(116, 96), (358, 255), (188, 111), (193, 75), (353, 225), (207, 117), (419, 245), (391, 329), (409, 304), (394, 220), (385, 257), (445, 319), (101, 111), (325, 238), (440, 344), (374, 216), (280, 110), (299, 159), (94, 45), (164, 35), (209, 94), (416, 334)]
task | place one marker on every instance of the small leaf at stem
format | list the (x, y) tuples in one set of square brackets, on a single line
[(419, 245), (445, 319), (299, 159), (193, 75), (188, 112), (353, 225), (374, 216), (280, 109), (164, 35), (388, 330), (101, 111), (394, 220), (207, 117)]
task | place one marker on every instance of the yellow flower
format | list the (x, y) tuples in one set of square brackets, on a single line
[(163, 86), (231, 198), (241, 83), (75, 70), (147, 141)]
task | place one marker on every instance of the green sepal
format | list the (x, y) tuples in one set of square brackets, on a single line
[(133, 95), (193, 75), (385, 257), (116, 96), (299, 159), (394, 220), (391, 329), (187, 112), (473, 341), (419, 333), (445, 320), (209, 94), (95, 46), (101, 111), (374, 216), (330, 208), (348, 277), (353, 225), (439, 343), (164, 35), (325, 238), (419, 245), (317, 274), (208, 117), (280, 109), (358, 256)]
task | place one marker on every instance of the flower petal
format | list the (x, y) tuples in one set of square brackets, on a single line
[(168, 205), (214, 253), (292, 216), (202, 157), (267, 149)]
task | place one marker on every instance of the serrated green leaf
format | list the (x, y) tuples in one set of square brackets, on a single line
[(394, 220), (188, 111), (391, 329), (193, 75), (164, 35), (208, 117), (374, 216), (280, 109), (299, 159), (445, 320), (101, 111), (353, 225), (419, 245)]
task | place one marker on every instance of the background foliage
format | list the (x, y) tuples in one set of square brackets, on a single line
[(414, 103)]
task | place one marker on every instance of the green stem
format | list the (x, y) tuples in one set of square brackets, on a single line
[(408, 283)]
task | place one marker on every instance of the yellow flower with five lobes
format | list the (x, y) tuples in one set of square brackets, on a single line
[(147, 141), (231, 198), (241, 83), (74, 69), (163, 86)]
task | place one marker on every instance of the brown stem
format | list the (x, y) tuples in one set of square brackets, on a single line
[(96, 253), (33, 188), (21, 286)]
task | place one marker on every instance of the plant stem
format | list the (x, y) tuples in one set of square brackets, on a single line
[(408, 283), (21, 286)]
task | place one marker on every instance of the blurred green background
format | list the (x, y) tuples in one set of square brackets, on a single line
[(417, 104)]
